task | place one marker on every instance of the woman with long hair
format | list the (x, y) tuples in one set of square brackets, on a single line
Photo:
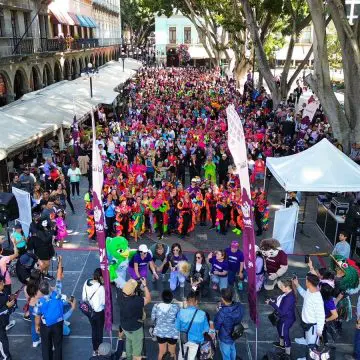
[(177, 276), (94, 293), (199, 274)]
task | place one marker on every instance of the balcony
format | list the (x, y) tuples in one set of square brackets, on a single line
[(104, 5), (23, 47), (66, 45)]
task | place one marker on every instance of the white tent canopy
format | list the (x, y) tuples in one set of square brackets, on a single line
[(322, 167), (44, 111)]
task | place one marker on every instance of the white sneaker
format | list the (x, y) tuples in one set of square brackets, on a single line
[(10, 325), (36, 343), (301, 341)]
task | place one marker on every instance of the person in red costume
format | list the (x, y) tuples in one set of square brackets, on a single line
[(186, 215)]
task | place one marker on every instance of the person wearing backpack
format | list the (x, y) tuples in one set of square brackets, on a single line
[(192, 324), (94, 293), (229, 315), (49, 317)]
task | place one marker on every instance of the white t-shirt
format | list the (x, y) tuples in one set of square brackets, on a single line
[(74, 175)]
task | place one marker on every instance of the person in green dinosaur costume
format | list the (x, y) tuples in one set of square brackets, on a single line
[(210, 170), (119, 255), (346, 284)]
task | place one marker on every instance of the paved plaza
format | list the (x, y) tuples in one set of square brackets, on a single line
[(81, 258)]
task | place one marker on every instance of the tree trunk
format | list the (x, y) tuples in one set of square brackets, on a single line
[(320, 82), (240, 70)]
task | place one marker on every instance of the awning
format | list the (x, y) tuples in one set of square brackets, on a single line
[(40, 113), (92, 21), (75, 19), (60, 16), (85, 22)]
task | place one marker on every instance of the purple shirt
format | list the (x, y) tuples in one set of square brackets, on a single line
[(219, 266), (234, 259), (141, 262), (329, 305)]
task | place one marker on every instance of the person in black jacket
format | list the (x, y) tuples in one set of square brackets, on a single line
[(42, 245), (199, 274), (223, 167)]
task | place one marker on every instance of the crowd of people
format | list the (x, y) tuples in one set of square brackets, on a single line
[(167, 169)]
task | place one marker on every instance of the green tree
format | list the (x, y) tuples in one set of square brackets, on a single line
[(345, 122), (138, 19)]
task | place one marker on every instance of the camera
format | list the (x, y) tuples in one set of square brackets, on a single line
[(294, 277)]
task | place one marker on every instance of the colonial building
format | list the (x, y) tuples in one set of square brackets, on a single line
[(43, 42)]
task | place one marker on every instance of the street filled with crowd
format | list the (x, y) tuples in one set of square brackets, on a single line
[(167, 172)]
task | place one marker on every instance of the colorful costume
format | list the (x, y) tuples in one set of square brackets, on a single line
[(119, 255), (347, 284), (210, 171), (276, 262), (61, 232)]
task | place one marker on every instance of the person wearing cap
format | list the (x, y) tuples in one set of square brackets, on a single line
[(6, 303), (94, 293), (131, 316), (138, 265), (235, 259), (49, 317), (24, 265)]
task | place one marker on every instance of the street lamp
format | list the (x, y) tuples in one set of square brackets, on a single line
[(90, 71), (123, 57)]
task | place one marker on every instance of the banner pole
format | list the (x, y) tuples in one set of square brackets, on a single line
[(256, 342)]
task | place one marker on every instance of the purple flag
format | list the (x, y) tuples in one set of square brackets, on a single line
[(76, 136), (237, 146), (98, 179)]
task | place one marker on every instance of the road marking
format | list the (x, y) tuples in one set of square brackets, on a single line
[(82, 270)]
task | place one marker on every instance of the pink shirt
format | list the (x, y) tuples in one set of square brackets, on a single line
[(4, 260)]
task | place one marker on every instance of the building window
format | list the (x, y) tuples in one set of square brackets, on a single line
[(187, 35), (14, 24), (172, 35), (27, 26), (2, 23)]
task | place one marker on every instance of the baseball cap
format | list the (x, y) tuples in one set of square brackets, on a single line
[(104, 349), (26, 260), (143, 248), (234, 244), (129, 287)]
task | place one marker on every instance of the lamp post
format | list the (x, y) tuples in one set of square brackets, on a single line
[(90, 71), (123, 56)]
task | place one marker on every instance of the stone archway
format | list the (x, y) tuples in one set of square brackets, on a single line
[(21, 84), (86, 61), (67, 70), (97, 60), (47, 75), (81, 65), (74, 72), (57, 72), (35, 79), (92, 60), (5, 88), (103, 59)]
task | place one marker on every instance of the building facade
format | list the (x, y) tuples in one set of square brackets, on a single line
[(43, 42), (173, 31)]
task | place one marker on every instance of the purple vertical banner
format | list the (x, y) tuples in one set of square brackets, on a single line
[(249, 252), (98, 179), (76, 136), (237, 147)]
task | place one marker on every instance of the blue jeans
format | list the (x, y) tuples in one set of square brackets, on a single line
[(228, 351), (357, 344), (231, 277), (222, 281), (34, 335), (175, 276)]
